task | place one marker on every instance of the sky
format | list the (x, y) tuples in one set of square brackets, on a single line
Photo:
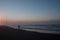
[(29, 10)]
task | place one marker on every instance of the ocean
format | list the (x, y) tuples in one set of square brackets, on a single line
[(51, 28), (39, 28)]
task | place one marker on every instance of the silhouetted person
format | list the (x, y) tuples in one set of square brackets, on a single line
[(18, 26)]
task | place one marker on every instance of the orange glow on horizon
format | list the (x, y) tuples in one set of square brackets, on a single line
[(2, 20), (27, 20)]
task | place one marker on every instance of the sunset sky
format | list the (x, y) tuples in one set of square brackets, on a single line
[(29, 10)]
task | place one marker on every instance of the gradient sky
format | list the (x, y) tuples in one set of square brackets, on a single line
[(30, 10)]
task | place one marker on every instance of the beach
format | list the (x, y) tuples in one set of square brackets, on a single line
[(11, 33)]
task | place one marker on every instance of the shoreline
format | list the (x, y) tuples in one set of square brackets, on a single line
[(40, 31), (8, 32), (43, 31)]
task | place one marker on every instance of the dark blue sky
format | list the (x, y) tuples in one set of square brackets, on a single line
[(30, 10)]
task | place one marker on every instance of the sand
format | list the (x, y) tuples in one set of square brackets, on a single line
[(11, 33)]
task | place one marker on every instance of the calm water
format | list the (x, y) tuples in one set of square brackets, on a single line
[(50, 28)]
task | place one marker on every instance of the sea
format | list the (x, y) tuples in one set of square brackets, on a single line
[(40, 28)]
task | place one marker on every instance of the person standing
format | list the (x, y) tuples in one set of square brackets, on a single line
[(18, 26)]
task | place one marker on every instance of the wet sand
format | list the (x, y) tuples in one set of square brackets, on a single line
[(11, 33)]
